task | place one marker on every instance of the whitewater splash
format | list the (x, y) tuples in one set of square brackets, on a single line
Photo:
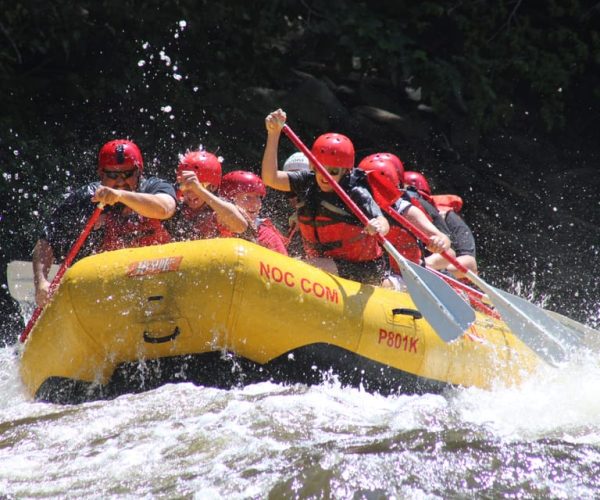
[(298, 441)]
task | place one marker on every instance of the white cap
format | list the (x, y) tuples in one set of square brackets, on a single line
[(296, 162)]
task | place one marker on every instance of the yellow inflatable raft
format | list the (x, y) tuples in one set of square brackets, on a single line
[(225, 311)]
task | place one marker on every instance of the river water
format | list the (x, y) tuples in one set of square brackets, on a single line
[(538, 440)]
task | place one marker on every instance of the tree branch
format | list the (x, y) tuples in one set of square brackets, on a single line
[(12, 43), (508, 21)]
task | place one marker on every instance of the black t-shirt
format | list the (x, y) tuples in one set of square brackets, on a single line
[(69, 219), (355, 184)]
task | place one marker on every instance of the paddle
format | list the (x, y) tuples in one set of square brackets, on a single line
[(19, 276), (447, 313), (543, 334), (589, 336), (62, 269)]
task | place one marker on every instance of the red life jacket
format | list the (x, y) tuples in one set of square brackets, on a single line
[(190, 224), (330, 233), (406, 244), (269, 237), (446, 202), (204, 224), (132, 231), (262, 232), (404, 241)]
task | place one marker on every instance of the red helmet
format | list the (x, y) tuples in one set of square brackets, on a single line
[(334, 150), (240, 181), (206, 165), (395, 161), (418, 181), (385, 166), (120, 154)]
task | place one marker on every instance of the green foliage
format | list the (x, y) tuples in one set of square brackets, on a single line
[(473, 57)]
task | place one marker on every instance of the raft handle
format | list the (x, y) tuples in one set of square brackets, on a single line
[(409, 312), (160, 340)]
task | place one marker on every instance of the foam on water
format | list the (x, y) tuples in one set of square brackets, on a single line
[(558, 402), (290, 440), (293, 440)]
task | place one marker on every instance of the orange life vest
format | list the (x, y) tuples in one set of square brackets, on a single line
[(406, 244), (335, 233), (446, 202)]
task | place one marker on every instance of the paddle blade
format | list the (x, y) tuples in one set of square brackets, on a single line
[(384, 191), (544, 335), (584, 331), (590, 338), (447, 313)]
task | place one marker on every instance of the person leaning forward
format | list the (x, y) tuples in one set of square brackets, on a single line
[(201, 212), (135, 206)]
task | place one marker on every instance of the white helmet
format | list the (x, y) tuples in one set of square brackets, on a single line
[(296, 162)]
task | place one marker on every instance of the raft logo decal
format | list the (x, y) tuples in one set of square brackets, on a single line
[(277, 275), (396, 340), (154, 266)]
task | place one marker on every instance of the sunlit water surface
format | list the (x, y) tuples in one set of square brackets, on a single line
[(541, 439)]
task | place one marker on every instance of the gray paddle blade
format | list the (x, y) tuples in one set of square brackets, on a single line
[(590, 338), (447, 313), (556, 329), (544, 335)]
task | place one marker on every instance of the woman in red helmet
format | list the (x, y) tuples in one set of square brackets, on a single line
[(246, 190), (418, 192), (329, 229), (202, 213), (135, 209)]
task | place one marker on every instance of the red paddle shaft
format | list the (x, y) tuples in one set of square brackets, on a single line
[(63, 269)]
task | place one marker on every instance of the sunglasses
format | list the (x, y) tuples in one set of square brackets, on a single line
[(123, 174)]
